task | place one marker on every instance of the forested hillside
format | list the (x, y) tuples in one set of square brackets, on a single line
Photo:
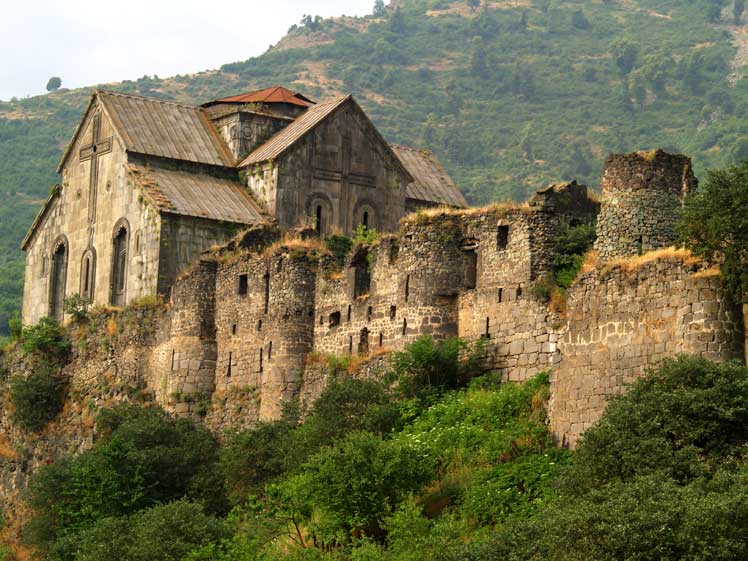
[(510, 94)]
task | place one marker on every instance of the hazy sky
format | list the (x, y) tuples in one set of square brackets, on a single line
[(89, 42)]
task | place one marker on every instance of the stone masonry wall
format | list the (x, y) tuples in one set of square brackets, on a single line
[(621, 322), (641, 196)]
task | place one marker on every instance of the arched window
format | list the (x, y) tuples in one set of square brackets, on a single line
[(88, 274), (365, 219), (119, 264), (58, 278), (318, 223)]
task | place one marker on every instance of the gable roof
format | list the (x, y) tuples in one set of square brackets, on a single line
[(160, 128), (305, 124), (277, 94), (198, 195), (53, 194), (431, 182)]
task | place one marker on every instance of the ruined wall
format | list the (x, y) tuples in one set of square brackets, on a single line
[(641, 197), (623, 320)]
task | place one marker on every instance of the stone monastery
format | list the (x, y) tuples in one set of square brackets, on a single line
[(153, 194), (147, 185)]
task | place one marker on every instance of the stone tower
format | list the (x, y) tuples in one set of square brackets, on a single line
[(642, 193)]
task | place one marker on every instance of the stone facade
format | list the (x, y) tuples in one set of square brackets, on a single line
[(642, 193)]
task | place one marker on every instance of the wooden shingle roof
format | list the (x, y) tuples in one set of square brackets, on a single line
[(431, 183), (199, 195), (165, 129), (294, 132)]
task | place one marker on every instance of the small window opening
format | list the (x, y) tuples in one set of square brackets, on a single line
[(369, 311), (267, 292), (365, 220), (334, 319), (393, 312), (173, 358), (259, 325), (231, 363), (519, 292), (350, 344), (501, 295), (243, 285), (348, 316), (381, 339), (407, 288), (471, 269), (318, 221), (322, 320), (270, 350), (233, 329), (640, 245), (502, 238), (405, 326), (262, 359), (487, 334)]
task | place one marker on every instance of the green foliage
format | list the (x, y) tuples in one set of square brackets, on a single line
[(340, 247), (76, 306), (37, 398), (426, 366), (379, 9), (5, 553), (681, 420), (572, 244), (46, 341), (365, 235), (15, 326), (354, 485), (54, 83), (714, 224), (162, 533), (142, 458)]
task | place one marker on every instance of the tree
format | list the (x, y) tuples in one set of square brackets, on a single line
[(379, 9), (397, 21), (54, 83), (737, 10), (714, 225), (625, 54)]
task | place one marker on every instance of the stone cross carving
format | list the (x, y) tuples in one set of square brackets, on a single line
[(93, 151)]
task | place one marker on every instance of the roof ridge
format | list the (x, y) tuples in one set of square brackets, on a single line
[(147, 98)]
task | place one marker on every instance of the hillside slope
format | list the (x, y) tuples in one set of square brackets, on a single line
[(511, 96)]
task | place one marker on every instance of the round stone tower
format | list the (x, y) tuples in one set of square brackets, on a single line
[(642, 193)]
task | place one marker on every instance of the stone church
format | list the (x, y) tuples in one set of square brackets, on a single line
[(147, 185)]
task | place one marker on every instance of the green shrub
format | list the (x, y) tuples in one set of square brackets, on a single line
[(46, 340), (340, 247), (142, 458), (162, 533), (38, 398), (76, 306), (5, 553), (15, 326), (682, 419), (427, 367)]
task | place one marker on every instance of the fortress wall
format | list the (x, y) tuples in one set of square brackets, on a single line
[(622, 322)]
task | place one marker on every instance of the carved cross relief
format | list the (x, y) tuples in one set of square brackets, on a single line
[(98, 147)]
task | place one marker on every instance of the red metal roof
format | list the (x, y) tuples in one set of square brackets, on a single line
[(277, 94)]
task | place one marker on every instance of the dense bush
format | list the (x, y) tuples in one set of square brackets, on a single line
[(142, 458), (46, 341), (38, 398)]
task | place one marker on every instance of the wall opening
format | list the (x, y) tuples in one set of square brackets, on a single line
[(393, 312), (119, 267), (394, 250), (267, 292), (318, 220), (405, 326), (173, 358), (350, 344), (487, 334), (362, 274), (519, 292), (381, 339), (501, 295), (334, 320), (365, 220), (59, 278), (270, 350), (471, 269), (231, 363), (243, 287), (88, 275), (502, 238), (348, 315), (640, 245), (407, 288), (259, 325), (363, 342), (262, 359), (369, 312), (233, 329)]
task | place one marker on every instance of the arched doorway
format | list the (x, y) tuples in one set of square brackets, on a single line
[(119, 264), (58, 278)]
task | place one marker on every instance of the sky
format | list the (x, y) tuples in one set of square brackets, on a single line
[(88, 42)]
